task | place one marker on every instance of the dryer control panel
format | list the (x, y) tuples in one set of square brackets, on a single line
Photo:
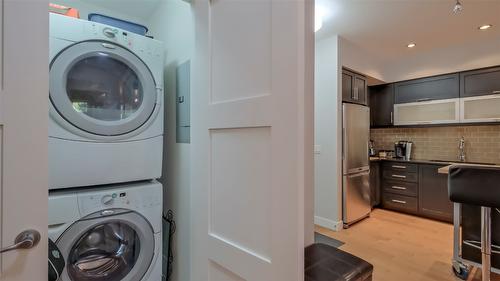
[(77, 30)]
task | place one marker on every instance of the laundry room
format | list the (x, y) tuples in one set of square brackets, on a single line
[(119, 138)]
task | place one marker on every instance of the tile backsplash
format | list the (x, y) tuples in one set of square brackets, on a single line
[(482, 143)]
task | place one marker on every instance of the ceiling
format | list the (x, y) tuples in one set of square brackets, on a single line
[(141, 9), (383, 28)]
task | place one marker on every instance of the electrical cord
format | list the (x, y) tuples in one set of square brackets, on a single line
[(169, 217)]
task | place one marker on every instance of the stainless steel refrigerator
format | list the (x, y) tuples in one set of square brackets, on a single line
[(356, 203)]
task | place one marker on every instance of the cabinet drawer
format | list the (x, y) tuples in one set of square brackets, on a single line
[(400, 175), (400, 202), (398, 166), (401, 187)]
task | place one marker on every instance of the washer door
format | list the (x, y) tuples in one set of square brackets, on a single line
[(109, 248), (102, 88)]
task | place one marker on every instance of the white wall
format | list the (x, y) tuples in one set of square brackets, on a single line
[(173, 24), (356, 58), (328, 126)]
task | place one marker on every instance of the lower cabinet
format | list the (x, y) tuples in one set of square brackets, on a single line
[(423, 192), (375, 183), (433, 200)]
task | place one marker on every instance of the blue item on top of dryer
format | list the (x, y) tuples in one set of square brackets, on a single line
[(123, 24)]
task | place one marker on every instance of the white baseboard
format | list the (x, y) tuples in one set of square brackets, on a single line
[(327, 223)]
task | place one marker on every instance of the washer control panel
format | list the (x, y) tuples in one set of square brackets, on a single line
[(134, 197)]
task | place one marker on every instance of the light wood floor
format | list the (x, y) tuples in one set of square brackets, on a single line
[(402, 247)]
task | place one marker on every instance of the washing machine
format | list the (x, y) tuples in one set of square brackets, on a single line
[(109, 234), (106, 104)]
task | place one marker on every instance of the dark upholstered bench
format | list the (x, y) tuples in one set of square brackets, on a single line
[(326, 263)]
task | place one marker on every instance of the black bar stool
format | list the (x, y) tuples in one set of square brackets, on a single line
[(479, 186)]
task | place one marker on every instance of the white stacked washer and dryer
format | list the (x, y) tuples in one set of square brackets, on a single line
[(105, 151)]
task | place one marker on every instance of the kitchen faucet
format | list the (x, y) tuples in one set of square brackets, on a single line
[(461, 147)]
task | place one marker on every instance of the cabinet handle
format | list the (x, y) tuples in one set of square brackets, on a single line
[(399, 176), (392, 117), (399, 167), (398, 201), (398, 187), (425, 99), (496, 92), (355, 94)]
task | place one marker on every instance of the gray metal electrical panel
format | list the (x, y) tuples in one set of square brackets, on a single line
[(183, 103)]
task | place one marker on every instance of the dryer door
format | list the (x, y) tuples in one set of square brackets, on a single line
[(103, 247), (102, 88)]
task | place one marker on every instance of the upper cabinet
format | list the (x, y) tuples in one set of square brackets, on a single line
[(427, 112), (427, 89), (354, 87), (480, 109), (465, 97), (480, 82), (381, 105)]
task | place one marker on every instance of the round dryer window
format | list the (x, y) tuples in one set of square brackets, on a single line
[(113, 248), (102, 88)]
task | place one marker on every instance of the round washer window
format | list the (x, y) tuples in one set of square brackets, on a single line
[(105, 252), (104, 88), (117, 247)]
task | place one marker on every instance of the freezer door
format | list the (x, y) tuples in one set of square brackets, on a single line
[(355, 139), (356, 197)]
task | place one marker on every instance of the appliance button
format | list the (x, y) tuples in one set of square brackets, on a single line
[(110, 32), (107, 212), (107, 200)]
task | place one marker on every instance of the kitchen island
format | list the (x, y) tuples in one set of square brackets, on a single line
[(446, 169), (467, 228)]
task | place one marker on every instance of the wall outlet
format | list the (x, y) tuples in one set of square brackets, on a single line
[(317, 149)]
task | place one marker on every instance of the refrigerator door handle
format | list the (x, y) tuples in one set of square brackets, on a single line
[(344, 142), (359, 174)]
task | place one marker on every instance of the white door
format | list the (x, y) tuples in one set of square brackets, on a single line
[(23, 126), (251, 139)]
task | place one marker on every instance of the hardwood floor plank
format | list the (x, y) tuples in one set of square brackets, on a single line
[(402, 247)]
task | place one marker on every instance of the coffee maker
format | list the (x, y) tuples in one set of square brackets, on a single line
[(402, 149)]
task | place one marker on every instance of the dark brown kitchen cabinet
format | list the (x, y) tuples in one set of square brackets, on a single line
[(415, 188), (433, 194), (354, 87), (381, 105), (480, 82), (375, 183), (427, 89)]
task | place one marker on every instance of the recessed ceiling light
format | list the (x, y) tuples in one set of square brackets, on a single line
[(411, 45), (485, 26), (458, 7)]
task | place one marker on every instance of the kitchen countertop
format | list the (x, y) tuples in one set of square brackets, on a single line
[(446, 169), (427, 161)]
